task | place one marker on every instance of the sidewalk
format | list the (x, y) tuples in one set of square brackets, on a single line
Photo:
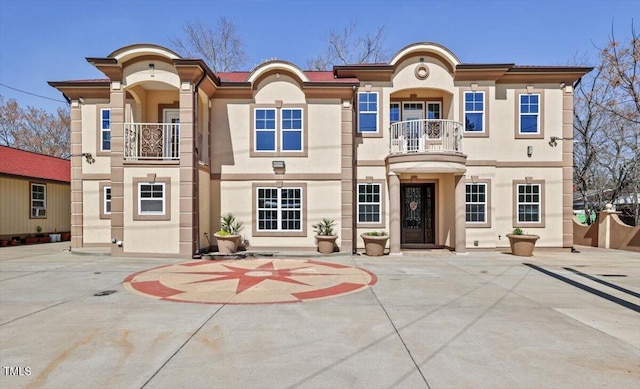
[(483, 320)]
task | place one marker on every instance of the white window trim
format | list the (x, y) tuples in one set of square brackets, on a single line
[(282, 130), (426, 109), (103, 130), (538, 203), (486, 189), (464, 114), (164, 199), (376, 112), (379, 203), (106, 201), (279, 209), (520, 114), (44, 201), (275, 130)]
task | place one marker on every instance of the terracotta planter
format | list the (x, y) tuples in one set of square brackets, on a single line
[(31, 240), (522, 245), (4, 243), (44, 239), (326, 243), (374, 245), (13, 242), (227, 244), (65, 236)]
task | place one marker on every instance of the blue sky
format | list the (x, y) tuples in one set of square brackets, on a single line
[(48, 40)]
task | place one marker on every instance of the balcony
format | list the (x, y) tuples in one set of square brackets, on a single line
[(426, 136), (151, 141)]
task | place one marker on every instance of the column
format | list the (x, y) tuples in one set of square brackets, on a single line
[(116, 106), (460, 215), (394, 214), (76, 175)]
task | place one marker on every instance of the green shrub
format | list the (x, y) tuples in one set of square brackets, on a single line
[(375, 233), (517, 231), (230, 225), (325, 227)]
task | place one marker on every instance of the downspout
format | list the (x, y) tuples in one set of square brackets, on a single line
[(354, 176), (196, 199)]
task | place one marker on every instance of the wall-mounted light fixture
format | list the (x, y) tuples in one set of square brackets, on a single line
[(529, 151), (152, 68), (553, 140), (87, 157), (278, 167)]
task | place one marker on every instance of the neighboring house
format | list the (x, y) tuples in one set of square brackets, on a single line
[(436, 152), (35, 190)]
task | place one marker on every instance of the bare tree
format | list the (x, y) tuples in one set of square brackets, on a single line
[(607, 131), (349, 46), (220, 46), (34, 129)]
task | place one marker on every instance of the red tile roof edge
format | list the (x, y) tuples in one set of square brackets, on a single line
[(29, 164)]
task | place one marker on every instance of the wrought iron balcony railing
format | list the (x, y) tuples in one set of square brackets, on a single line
[(426, 135)]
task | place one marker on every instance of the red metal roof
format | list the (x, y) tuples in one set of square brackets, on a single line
[(33, 165)]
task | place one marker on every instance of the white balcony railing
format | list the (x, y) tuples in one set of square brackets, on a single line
[(426, 135), (151, 141)]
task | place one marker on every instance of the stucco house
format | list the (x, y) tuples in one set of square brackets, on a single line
[(35, 190), (436, 152)]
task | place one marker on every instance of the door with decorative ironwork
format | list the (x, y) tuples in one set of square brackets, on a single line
[(417, 213)]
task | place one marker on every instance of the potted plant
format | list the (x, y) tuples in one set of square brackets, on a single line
[(14, 240), (41, 237), (228, 237), (374, 242), (33, 239), (55, 237), (65, 236), (522, 244), (324, 235), (4, 243)]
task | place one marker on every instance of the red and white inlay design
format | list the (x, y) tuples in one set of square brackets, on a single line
[(252, 281)]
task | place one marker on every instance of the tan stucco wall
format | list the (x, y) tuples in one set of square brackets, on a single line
[(15, 207), (151, 236), (95, 230)]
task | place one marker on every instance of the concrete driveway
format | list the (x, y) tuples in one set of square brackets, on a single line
[(484, 320)]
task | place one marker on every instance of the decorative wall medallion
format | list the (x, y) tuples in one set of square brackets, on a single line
[(413, 205), (422, 71)]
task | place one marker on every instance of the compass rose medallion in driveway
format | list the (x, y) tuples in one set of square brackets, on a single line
[(253, 281)]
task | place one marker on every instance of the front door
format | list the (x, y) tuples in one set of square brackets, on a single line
[(417, 213)]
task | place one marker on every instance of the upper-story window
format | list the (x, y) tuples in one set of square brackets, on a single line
[(474, 111), (394, 112), (529, 113), (105, 129), (291, 129), (368, 112), (265, 128), (278, 130)]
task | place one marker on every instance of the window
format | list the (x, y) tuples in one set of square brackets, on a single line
[(433, 110), (394, 112), (368, 112), (291, 129), (476, 207), (474, 111), (529, 113), (107, 200), (279, 209), (369, 203), (105, 129), (528, 203), (151, 198), (265, 129), (38, 201)]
